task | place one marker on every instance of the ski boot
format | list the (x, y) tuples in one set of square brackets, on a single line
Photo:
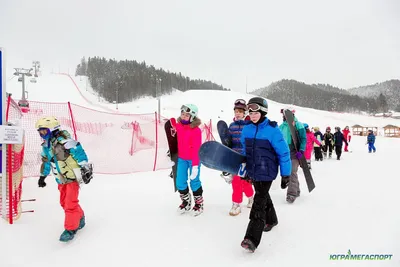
[(82, 223), (186, 202), (198, 205), (67, 235), (268, 227), (248, 245), (250, 203), (235, 210), (227, 177), (290, 198)]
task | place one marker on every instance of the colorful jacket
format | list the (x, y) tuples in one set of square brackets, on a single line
[(189, 140), (235, 132), (311, 140), (265, 150), (319, 137), (346, 134), (371, 138), (284, 127), (62, 154)]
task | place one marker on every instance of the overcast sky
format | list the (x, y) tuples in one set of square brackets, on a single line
[(345, 43)]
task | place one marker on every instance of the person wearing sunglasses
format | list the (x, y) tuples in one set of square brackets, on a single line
[(293, 187), (239, 186), (189, 142), (266, 151)]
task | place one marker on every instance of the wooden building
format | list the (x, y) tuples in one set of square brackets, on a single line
[(363, 130), (392, 130)]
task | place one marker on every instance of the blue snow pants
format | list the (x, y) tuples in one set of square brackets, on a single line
[(371, 147), (183, 175)]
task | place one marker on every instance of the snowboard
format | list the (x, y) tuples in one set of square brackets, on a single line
[(173, 147), (217, 156), (223, 131), (296, 140)]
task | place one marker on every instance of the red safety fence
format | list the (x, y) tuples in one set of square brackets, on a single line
[(115, 143)]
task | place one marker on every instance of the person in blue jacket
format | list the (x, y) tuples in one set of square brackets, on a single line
[(371, 141), (266, 150)]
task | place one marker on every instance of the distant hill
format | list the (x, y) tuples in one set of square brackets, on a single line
[(129, 79)]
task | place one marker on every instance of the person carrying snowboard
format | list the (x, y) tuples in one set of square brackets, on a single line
[(293, 190), (265, 150), (318, 148), (239, 185), (371, 141), (339, 139), (65, 157), (328, 141), (189, 142), (347, 137), (311, 140)]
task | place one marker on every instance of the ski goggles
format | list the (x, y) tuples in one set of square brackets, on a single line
[(185, 109), (240, 102), (256, 107)]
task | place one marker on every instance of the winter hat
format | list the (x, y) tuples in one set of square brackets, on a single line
[(240, 104)]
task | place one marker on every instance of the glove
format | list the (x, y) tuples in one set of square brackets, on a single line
[(299, 154), (41, 181), (246, 178), (227, 177), (195, 172), (87, 173), (285, 181)]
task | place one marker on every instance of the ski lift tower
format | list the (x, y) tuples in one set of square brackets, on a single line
[(23, 103)]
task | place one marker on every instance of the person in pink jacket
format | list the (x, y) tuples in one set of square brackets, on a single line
[(310, 144), (189, 142)]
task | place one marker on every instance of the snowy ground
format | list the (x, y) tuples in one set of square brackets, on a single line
[(132, 219)]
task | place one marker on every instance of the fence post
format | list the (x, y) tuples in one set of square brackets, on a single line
[(10, 184), (72, 120), (156, 152)]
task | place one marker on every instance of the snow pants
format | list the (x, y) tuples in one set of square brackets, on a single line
[(318, 153), (240, 186), (70, 203), (338, 151), (262, 212), (371, 147), (184, 168), (294, 186), (328, 147)]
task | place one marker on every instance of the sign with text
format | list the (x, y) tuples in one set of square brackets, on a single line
[(11, 134)]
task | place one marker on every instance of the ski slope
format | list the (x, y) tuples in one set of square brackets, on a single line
[(132, 219)]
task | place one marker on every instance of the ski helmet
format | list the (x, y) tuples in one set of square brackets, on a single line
[(50, 124), (258, 104), (191, 109), (240, 104), (305, 126), (328, 128)]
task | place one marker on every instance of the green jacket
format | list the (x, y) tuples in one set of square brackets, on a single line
[(284, 127)]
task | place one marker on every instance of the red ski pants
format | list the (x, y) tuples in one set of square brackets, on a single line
[(70, 203), (239, 187)]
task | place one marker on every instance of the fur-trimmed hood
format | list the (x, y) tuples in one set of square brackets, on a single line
[(195, 123)]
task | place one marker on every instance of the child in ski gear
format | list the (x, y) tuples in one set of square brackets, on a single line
[(311, 140), (318, 148), (265, 150), (371, 141), (328, 142), (293, 190), (347, 137), (339, 139), (63, 156), (189, 142), (239, 185)]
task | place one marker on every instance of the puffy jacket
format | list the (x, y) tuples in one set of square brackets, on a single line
[(61, 154), (265, 150), (235, 132), (328, 138), (371, 138), (318, 135), (311, 140), (346, 134), (284, 127), (189, 140), (339, 139)]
